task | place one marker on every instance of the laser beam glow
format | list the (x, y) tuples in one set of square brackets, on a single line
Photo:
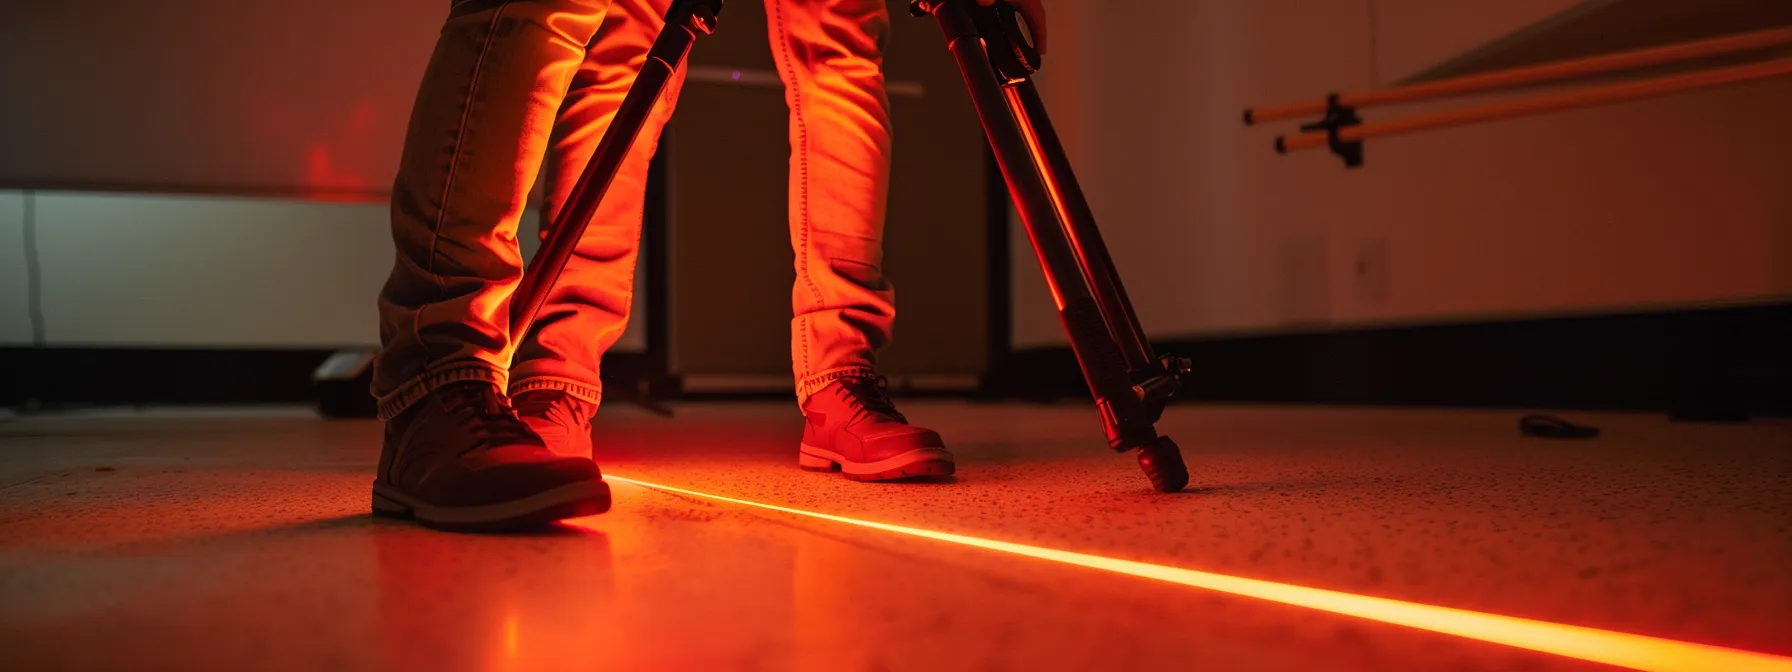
[(1601, 646)]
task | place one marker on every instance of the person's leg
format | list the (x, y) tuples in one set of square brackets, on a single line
[(554, 378), (454, 451), (829, 54)]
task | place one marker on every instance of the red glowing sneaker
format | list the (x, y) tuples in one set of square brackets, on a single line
[(562, 420), (853, 427), (460, 459)]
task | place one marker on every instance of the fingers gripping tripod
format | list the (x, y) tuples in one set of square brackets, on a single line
[(1129, 385)]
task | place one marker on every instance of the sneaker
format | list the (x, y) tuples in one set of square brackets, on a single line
[(460, 459), (852, 427), (563, 421)]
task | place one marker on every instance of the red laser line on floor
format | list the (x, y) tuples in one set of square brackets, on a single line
[(1639, 652)]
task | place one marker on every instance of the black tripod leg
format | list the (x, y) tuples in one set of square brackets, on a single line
[(1079, 225), (684, 21), (1152, 381), (1016, 137)]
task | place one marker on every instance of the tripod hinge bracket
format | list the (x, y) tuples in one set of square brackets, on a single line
[(1011, 54)]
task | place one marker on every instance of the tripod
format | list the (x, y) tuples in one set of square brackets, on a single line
[(1130, 386)]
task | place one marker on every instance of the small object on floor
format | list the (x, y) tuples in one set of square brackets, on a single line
[(1552, 427), (342, 383)]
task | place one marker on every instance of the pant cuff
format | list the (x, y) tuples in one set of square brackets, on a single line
[(581, 390), (809, 386), (411, 391)]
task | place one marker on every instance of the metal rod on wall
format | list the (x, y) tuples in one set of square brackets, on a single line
[(1538, 74), (1540, 104)]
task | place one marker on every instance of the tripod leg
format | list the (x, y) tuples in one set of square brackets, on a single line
[(1103, 357), (684, 21), (1079, 224)]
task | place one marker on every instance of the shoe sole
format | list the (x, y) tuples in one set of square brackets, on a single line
[(573, 500), (917, 463)]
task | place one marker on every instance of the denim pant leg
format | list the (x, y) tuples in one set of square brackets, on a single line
[(829, 54), (477, 132), (588, 309)]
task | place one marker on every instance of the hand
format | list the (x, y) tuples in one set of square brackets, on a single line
[(1033, 11)]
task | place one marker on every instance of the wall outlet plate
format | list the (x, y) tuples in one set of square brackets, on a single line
[(1370, 270)]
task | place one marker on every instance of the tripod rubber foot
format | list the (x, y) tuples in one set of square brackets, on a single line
[(1162, 462)]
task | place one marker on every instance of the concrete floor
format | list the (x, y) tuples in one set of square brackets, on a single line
[(241, 540)]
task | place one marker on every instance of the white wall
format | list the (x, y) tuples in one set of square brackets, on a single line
[(305, 103), (1213, 232), (180, 271), (15, 324), (1666, 202)]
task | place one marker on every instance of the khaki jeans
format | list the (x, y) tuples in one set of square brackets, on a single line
[(513, 82)]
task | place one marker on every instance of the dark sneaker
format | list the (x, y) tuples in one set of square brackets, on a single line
[(853, 427), (562, 420), (460, 459)]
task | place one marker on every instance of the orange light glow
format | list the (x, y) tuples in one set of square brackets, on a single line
[(510, 635), (1591, 644), (328, 183)]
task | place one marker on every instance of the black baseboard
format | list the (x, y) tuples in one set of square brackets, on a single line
[(60, 377), (56, 376), (1717, 364), (1714, 364)]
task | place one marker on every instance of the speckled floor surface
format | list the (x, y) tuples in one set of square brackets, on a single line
[(241, 540)]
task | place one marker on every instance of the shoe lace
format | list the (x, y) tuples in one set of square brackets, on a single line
[(488, 416), (871, 396)]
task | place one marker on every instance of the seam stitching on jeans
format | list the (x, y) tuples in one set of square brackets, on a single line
[(814, 383), (460, 137), (400, 400), (582, 390), (802, 141)]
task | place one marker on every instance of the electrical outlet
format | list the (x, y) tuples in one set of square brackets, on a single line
[(1370, 271)]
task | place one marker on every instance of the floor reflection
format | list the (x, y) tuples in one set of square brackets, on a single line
[(459, 602), (208, 544)]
